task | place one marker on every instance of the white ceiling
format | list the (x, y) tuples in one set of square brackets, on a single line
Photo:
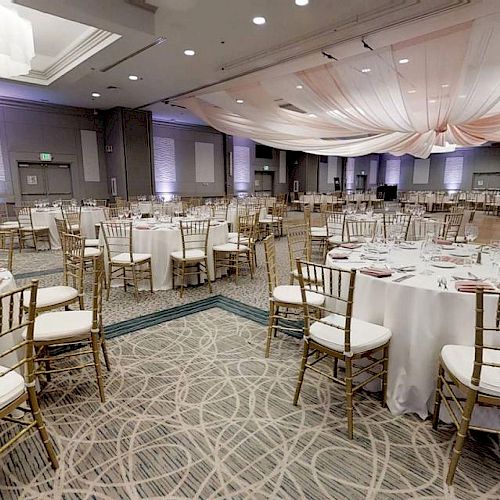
[(291, 34)]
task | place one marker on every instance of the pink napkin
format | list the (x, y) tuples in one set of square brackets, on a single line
[(472, 286), (456, 260), (338, 255), (143, 226), (351, 246), (376, 272), (441, 241)]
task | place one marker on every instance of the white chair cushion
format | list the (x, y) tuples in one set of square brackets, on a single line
[(336, 238), (11, 387), (232, 235), (269, 220), (319, 232), (459, 360), (291, 294), (91, 242), (52, 295), (124, 258), (75, 227), (61, 325), (364, 335), (10, 224), (193, 254), (35, 228), (243, 239), (91, 252), (230, 247)]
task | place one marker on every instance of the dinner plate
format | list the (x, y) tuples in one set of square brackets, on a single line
[(375, 256), (460, 253), (443, 264), (407, 246), (448, 247)]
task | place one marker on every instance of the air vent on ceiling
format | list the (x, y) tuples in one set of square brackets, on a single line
[(291, 107), (158, 41), (112, 87)]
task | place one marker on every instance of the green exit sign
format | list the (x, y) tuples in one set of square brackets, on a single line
[(266, 167), (45, 157)]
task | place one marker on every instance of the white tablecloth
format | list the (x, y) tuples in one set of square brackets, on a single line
[(164, 240), (47, 218), (422, 317)]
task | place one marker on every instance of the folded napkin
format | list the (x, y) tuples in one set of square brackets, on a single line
[(472, 286), (351, 246), (143, 226), (441, 241), (456, 260), (338, 255), (376, 272)]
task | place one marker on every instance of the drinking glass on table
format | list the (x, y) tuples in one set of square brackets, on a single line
[(426, 252), (471, 232)]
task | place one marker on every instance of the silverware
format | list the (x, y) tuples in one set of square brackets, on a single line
[(402, 278)]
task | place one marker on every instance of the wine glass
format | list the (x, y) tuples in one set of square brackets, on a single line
[(426, 253), (471, 232)]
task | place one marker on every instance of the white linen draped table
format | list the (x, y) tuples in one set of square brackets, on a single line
[(161, 239), (422, 317), (47, 218)]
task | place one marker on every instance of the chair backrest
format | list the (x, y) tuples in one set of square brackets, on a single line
[(337, 288), (17, 314), (335, 225), (247, 225), (422, 229), (270, 253), (400, 219), (299, 243), (7, 249), (117, 238), (101, 203), (73, 258), (194, 235), (486, 339), (23, 215), (453, 224), (62, 228), (360, 230), (72, 216), (307, 215), (219, 212)]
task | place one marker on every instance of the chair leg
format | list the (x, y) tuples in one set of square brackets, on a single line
[(183, 271), (150, 270), (250, 265), (437, 400), (348, 392), (270, 327), (134, 278), (208, 275), (44, 435), (174, 270), (385, 368), (108, 288), (97, 364), (461, 435), (335, 367), (305, 354), (237, 265), (105, 353)]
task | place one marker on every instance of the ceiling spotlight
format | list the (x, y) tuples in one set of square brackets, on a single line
[(445, 85), (403, 61), (259, 20), (134, 78), (300, 87), (462, 96), (301, 3), (432, 101), (312, 115), (365, 70), (412, 91), (240, 101), (95, 94), (189, 52)]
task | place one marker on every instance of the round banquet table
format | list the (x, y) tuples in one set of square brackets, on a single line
[(47, 217), (161, 239), (422, 317), (8, 284)]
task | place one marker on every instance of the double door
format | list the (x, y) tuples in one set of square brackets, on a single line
[(45, 180), (264, 183)]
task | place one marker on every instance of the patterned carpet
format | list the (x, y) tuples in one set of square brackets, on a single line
[(195, 411)]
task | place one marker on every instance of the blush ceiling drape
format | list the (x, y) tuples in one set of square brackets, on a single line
[(447, 92)]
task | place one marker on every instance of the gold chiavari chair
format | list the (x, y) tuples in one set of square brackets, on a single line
[(469, 376), (336, 229), (75, 329), (17, 367), (273, 221), (72, 215), (285, 301), (7, 249), (240, 253), (101, 203), (219, 212), (422, 229), (90, 244), (452, 222), (7, 223), (29, 232), (299, 247), (192, 260), (401, 219), (335, 334), (123, 262), (360, 230)]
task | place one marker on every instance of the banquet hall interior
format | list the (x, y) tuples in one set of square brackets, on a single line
[(249, 249)]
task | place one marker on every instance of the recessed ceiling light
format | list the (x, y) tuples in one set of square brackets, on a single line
[(432, 101), (365, 70), (189, 52), (259, 20), (403, 61), (301, 3), (412, 91), (133, 77), (240, 101), (95, 94), (463, 96), (312, 115), (445, 85), (300, 87)]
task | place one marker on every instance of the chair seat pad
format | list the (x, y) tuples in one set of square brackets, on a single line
[(192, 254), (124, 258), (336, 238), (319, 232), (243, 239), (270, 220), (10, 224), (459, 360), (232, 235), (291, 295), (364, 335), (35, 228), (52, 295), (75, 227), (230, 247), (61, 325), (91, 242), (91, 252), (11, 386)]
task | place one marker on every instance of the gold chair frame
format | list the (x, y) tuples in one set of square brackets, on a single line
[(7, 248), (27, 230)]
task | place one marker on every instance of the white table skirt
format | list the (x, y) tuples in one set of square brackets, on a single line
[(423, 318), (160, 243), (47, 218)]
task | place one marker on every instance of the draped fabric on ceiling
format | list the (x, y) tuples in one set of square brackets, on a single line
[(447, 92)]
